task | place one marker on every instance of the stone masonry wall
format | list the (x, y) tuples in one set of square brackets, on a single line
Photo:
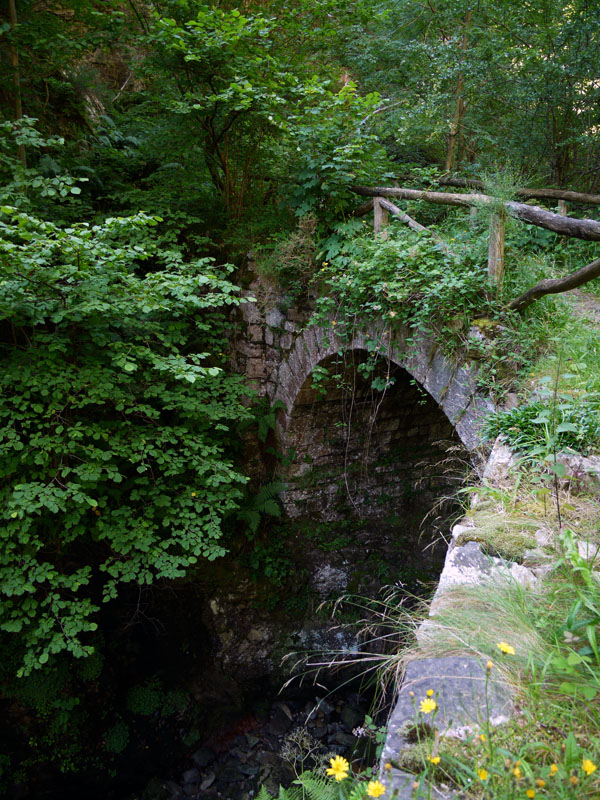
[(355, 452), (273, 346)]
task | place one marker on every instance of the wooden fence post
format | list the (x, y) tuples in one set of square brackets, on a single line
[(496, 248), (380, 219)]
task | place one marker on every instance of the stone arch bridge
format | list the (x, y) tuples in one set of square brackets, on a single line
[(349, 450)]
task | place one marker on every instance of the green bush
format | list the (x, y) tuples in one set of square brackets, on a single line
[(116, 421), (574, 424)]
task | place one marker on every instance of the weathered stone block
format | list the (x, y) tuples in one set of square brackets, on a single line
[(251, 349), (274, 318), (285, 341), (459, 394), (439, 376), (469, 425), (499, 465), (287, 380), (465, 694), (256, 368), (296, 367), (466, 564), (293, 315), (255, 333), (418, 358), (251, 312)]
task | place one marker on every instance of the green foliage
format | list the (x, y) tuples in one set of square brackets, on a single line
[(151, 699), (310, 787), (406, 279), (28, 188), (291, 258), (115, 418), (515, 64), (270, 561), (335, 149), (117, 738), (537, 426), (263, 502)]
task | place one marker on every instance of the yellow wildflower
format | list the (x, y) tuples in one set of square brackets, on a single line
[(375, 789), (553, 769), (387, 765), (540, 783), (489, 665), (517, 772), (588, 766), (483, 774), (482, 737), (428, 705), (530, 792), (434, 759), (193, 494), (505, 648), (574, 780), (339, 768), (430, 692)]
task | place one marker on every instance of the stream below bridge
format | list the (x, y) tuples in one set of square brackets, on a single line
[(370, 500)]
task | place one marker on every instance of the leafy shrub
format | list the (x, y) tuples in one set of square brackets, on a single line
[(407, 278), (115, 419), (117, 738), (292, 258), (574, 424)]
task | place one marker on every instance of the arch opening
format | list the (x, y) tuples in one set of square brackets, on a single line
[(372, 453), (364, 438)]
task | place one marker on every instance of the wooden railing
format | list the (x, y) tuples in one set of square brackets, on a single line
[(587, 229)]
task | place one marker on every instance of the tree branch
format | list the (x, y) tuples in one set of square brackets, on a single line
[(556, 285), (538, 194)]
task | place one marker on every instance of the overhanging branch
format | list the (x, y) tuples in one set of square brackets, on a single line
[(556, 285)]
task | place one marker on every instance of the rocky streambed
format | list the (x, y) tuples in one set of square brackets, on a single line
[(268, 745)]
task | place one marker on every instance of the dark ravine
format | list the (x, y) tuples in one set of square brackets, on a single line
[(371, 483)]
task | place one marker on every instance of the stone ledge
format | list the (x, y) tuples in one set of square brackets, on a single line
[(466, 695)]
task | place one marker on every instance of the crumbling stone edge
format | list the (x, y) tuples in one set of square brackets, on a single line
[(467, 694)]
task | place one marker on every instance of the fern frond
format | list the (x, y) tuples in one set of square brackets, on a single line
[(268, 492), (318, 788), (263, 502), (263, 794)]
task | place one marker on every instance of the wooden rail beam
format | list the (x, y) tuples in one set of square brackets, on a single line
[(587, 229)]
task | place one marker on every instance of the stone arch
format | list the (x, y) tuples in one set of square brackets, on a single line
[(452, 386)]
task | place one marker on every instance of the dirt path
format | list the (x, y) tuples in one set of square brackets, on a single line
[(585, 305)]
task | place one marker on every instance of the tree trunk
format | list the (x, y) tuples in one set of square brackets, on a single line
[(14, 60), (556, 285), (412, 223), (460, 104), (538, 194), (588, 229), (496, 248), (363, 209), (380, 218)]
